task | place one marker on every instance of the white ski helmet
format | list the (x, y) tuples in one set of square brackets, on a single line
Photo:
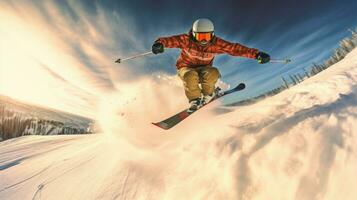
[(203, 31), (202, 26)]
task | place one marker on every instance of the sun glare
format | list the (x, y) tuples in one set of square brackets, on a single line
[(36, 67)]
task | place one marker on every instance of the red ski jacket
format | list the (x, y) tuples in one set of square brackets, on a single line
[(195, 55)]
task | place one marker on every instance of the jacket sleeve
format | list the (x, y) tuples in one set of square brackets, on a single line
[(176, 41), (235, 49)]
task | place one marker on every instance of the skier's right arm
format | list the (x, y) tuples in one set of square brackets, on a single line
[(176, 41)]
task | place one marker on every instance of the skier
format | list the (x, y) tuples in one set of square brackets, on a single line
[(194, 65)]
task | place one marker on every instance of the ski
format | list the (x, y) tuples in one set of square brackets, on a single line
[(179, 117)]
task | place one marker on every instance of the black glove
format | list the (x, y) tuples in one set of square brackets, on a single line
[(262, 57), (157, 47)]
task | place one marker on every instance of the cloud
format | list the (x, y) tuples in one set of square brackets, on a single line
[(65, 46)]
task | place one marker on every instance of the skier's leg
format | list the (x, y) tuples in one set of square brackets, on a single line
[(209, 76), (190, 80)]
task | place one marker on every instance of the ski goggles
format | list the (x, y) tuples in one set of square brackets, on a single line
[(203, 36)]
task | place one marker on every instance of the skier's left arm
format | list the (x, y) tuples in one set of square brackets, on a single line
[(236, 49)]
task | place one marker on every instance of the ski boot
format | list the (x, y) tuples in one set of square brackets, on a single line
[(194, 105), (208, 98)]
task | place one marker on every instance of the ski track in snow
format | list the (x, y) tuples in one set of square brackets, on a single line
[(299, 144)]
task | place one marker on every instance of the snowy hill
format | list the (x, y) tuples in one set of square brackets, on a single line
[(18, 118), (299, 144)]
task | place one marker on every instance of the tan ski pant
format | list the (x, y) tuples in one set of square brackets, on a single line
[(207, 76)]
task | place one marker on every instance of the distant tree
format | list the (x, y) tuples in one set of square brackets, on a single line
[(293, 79), (300, 77), (297, 78), (306, 73), (285, 82)]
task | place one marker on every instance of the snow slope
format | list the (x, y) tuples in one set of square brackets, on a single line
[(299, 144)]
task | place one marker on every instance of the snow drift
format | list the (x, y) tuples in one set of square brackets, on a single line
[(299, 144)]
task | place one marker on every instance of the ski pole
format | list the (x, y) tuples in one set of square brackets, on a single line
[(286, 61), (132, 57)]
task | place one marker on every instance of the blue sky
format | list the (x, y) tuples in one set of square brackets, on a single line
[(68, 47)]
